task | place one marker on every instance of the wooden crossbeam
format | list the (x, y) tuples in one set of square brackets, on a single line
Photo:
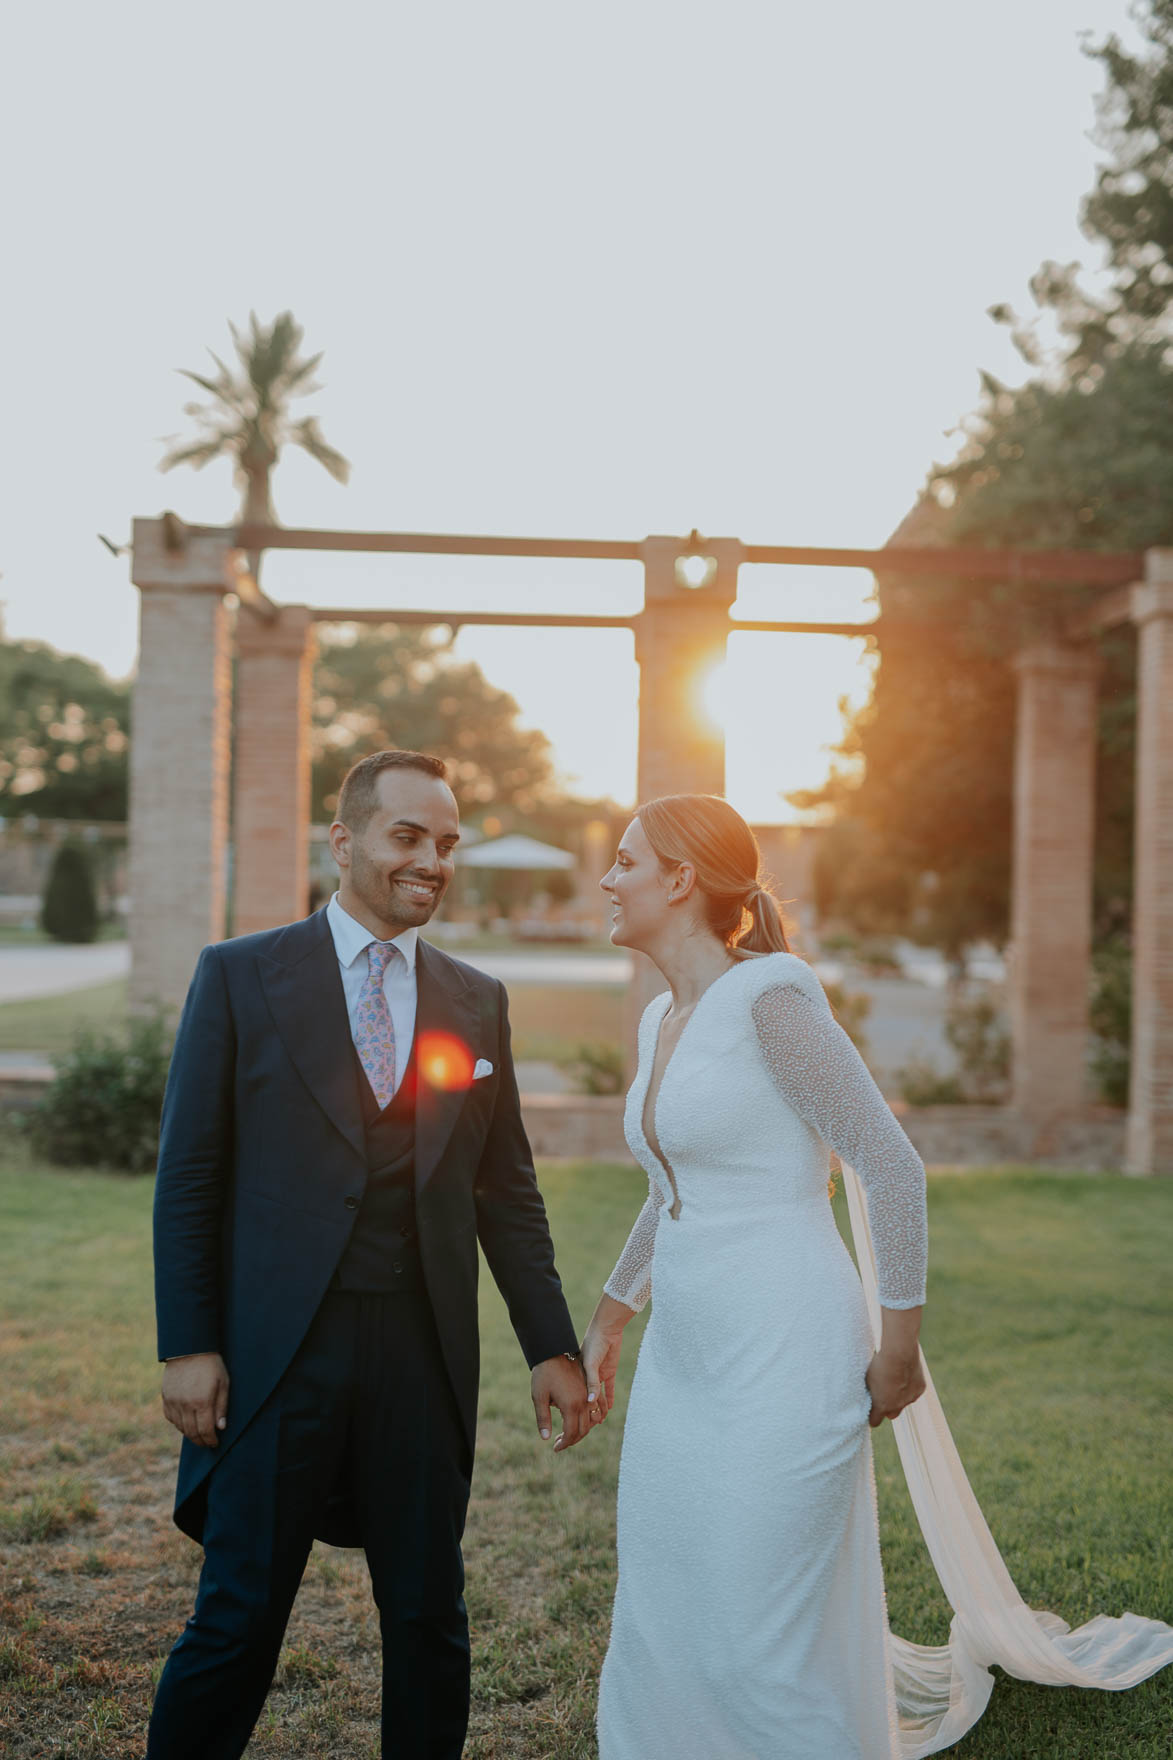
[(1090, 567), (571, 620)]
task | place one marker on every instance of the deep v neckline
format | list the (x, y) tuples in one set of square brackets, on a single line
[(655, 1141)]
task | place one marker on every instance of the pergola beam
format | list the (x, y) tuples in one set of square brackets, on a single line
[(1113, 609), (1088, 567), (571, 620)]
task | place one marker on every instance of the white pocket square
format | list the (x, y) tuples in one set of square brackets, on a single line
[(483, 1068)]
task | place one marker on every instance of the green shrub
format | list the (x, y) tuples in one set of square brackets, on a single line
[(69, 909), (975, 1028), (102, 1108), (851, 1009), (599, 1067), (1111, 1020), (922, 1084), (977, 1032), (877, 954)]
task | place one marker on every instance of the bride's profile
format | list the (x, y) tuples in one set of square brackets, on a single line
[(749, 1619)]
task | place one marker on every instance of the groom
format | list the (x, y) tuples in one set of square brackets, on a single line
[(341, 1127)]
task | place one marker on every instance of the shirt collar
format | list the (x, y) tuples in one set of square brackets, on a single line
[(351, 938)]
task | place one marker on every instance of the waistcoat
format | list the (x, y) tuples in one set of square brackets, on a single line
[(383, 1252)]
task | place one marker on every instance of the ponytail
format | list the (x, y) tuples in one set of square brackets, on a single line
[(765, 932), (707, 832)]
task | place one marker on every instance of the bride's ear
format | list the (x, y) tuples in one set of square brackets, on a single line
[(683, 883)]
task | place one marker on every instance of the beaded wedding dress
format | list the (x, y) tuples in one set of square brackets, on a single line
[(749, 1619)]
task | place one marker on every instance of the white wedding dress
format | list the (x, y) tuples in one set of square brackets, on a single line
[(749, 1619)]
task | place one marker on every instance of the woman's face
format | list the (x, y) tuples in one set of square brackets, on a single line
[(638, 888)]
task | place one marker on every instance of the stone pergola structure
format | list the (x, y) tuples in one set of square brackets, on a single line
[(200, 608)]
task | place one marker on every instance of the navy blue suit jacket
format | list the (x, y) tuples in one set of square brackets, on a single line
[(261, 1160)]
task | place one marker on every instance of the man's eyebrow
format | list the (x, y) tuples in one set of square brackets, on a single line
[(414, 825)]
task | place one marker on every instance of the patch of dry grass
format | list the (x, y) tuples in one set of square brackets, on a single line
[(1048, 1334)]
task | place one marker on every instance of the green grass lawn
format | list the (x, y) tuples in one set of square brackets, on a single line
[(1048, 1334), (549, 1021), (51, 1023), (16, 935)]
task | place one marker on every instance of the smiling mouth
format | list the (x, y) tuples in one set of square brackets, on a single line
[(418, 890)]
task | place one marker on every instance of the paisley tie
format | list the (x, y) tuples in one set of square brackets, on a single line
[(374, 1032)]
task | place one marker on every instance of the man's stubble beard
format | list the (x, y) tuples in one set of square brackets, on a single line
[(381, 896)]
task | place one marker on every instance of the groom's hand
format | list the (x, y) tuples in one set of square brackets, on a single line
[(195, 1396), (560, 1381)]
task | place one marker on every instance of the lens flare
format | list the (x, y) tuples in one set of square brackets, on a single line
[(445, 1062)]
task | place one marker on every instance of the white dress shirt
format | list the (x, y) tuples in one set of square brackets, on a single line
[(351, 941)]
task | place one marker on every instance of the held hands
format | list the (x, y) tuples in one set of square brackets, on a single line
[(590, 1386), (560, 1381), (195, 1396)]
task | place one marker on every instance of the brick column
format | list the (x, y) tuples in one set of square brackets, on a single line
[(1150, 1111), (679, 636), (271, 802), (1054, 799), (178, 759)]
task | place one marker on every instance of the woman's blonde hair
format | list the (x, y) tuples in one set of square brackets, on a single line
[(709, 834)]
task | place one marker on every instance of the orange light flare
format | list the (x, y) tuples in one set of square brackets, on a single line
[(445, 1062)]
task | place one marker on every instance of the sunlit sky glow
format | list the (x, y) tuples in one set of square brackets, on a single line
[(583, 274)]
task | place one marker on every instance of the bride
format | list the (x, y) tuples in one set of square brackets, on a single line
[(749, 1619)]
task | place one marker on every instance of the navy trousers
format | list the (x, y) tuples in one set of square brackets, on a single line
[(366, 1403)]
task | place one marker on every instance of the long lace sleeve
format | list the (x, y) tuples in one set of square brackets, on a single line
[(631, 1280), (822, 1076)]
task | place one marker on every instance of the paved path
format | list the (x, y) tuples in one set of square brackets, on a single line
[(545, 966), (26, 972), (907, 1016)]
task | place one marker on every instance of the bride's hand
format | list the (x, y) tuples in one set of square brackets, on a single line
[(600, 1359), (894, 1380)]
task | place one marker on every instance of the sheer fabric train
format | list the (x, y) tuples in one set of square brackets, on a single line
[(941, 1691)]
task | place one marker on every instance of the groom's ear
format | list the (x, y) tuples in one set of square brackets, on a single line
[(340, 843)]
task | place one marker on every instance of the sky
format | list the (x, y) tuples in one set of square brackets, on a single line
[(590, 273)]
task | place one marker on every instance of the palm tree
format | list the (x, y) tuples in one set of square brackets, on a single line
[(249, 420)]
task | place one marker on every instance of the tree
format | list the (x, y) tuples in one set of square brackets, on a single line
[(64, 735), (69, 911), (1081, 455), (395, 685), (249, 420)]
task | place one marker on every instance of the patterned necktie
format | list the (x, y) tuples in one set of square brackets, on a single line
[(374, 1031)]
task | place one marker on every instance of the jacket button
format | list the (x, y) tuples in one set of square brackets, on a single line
[(352, 1203), (406, 1233), (397, 1267)]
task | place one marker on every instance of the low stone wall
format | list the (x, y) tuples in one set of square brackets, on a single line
[(975, 1136), (589, 1127), (575, 1127)]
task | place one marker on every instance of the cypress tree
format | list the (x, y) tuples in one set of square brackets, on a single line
[(69, 909)]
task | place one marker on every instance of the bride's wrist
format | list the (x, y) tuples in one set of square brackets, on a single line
[(610, 1317)]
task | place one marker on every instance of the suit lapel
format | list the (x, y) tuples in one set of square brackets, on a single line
[(303, 986), (445, 1003)]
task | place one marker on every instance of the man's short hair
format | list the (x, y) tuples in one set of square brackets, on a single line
[(358, 797)]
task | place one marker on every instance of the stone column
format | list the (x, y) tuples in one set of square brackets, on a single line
[(271, 802), (680, 636), (1051, 912), (1150, 1110), (178, 758)]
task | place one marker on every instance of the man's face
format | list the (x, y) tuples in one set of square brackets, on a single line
[(395, 871)]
